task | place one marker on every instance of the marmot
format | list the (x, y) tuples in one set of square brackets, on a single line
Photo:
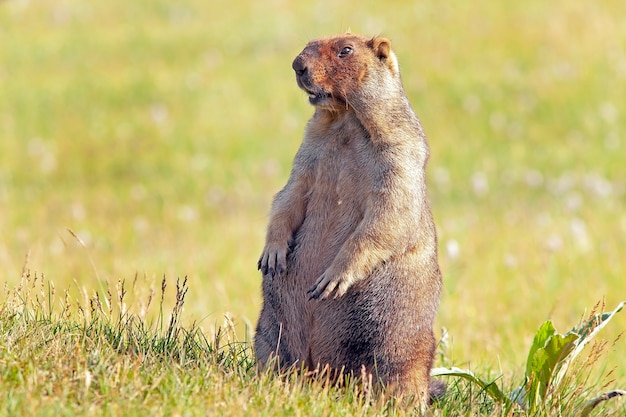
[(350, 272)]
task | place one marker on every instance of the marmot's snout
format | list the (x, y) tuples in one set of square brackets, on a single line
[(298, 66), (317, 94)]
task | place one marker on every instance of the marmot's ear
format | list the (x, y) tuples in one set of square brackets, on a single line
[(381, 47)]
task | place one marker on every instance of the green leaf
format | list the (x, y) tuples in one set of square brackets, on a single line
[(551, 353), (489, 387), (548, 359), (545, 331), (545, 362)]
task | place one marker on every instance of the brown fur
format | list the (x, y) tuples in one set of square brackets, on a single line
[(350, 272)]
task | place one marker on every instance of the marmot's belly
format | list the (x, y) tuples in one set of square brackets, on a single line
[(326, 227), (321, 236)]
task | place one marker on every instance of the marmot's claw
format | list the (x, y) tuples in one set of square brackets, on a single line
[(263, 265), (323, 287), (312, 293), (273, 261)]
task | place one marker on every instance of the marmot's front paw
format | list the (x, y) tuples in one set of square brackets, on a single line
[(326, 284), (273, 260)]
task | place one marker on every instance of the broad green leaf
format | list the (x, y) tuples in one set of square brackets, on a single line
[(548, 359), (545, 362), (551, 353), (545, 331), (489, 387)]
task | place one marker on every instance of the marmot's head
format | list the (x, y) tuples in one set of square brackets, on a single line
[(340, 70)]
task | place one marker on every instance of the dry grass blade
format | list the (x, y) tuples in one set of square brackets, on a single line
[(590, 405)]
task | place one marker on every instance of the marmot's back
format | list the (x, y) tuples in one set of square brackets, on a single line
[(350, 273)]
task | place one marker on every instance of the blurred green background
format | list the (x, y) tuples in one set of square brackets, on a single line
[(158, 132)]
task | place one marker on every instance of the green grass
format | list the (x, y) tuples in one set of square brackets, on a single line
[(98, 357), (145, 139)]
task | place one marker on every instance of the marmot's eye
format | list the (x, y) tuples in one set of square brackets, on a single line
[(347, 50)]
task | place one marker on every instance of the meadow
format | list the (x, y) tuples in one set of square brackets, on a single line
[(142, 140)]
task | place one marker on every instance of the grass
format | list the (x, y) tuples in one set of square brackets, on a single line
[(96, 357), (145, 139)]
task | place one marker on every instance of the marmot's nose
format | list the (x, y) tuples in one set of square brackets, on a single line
[(298, 66)]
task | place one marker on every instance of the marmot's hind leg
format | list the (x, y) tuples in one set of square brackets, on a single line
[(268, 347), (412, 379)]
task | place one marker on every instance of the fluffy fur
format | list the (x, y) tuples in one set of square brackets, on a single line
[(350, 272)]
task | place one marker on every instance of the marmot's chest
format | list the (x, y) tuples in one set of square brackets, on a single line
[(343, 180), (335, 203), (344, 171)]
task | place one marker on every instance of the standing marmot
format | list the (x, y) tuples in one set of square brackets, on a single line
[(352, 229)]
